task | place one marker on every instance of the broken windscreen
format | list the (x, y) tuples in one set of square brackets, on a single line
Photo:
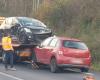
[(30, 22)]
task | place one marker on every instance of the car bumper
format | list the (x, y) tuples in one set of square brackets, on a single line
[(43, 36), (72, 66), (72, 61)]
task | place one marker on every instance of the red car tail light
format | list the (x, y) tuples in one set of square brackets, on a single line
[(60, 52)]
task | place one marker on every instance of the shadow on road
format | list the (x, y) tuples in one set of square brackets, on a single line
[(46, 68)]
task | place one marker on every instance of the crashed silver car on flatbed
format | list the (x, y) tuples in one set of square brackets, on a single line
[(26, 30)]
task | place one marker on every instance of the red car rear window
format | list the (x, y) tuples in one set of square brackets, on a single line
[(74, 45)]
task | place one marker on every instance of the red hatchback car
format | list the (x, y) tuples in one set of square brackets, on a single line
[(61, 52)]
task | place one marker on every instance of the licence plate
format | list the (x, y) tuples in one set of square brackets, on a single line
[(77, 61)]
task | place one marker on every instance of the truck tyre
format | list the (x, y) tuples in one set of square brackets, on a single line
[(53, 65)]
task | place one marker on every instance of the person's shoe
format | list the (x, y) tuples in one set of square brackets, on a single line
[(13, 69)]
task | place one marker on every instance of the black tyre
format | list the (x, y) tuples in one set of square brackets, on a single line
[(53, 66), (61, 69), (24, 39), (84, 69)]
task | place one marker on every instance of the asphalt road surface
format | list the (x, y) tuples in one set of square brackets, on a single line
[(24, 72)]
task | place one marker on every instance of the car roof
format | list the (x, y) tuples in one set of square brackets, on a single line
[(23, 18), (28, 18), (67, 38)]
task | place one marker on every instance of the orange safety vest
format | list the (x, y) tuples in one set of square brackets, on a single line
[(7, 43)]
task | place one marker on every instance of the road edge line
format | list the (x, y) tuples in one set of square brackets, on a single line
[(10, 76)]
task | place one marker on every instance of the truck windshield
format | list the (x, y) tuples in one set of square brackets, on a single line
[(31, 22), (74, 45)]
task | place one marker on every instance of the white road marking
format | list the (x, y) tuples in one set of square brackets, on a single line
[(10, 76)]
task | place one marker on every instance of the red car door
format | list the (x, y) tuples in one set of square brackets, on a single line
[(38, 52), (49, 50), (41, 50), (45, 54)]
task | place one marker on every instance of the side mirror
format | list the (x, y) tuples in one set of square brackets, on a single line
[(40, 46)]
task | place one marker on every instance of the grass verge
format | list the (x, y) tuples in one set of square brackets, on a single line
[(96, 67)]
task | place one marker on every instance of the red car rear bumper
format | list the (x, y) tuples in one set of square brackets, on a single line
[(73, 66), (73, 62)]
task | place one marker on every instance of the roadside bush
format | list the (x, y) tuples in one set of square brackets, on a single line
[(74, 18)]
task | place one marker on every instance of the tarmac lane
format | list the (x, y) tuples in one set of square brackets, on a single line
[(5, 76), (24, 72)]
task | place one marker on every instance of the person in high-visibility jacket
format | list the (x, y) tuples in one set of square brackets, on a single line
[(8, 51)]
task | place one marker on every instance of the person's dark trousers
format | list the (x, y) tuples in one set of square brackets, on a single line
[(8, 59)]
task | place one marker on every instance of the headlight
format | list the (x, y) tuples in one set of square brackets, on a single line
[(29, 36), (45, 30), (42, 31), (48, 30)]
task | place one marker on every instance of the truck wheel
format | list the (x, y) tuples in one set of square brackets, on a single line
[(23, 39), (53, 66), (84, 69)]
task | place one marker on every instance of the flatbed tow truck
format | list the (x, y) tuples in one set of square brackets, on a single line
[(24, 52)]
